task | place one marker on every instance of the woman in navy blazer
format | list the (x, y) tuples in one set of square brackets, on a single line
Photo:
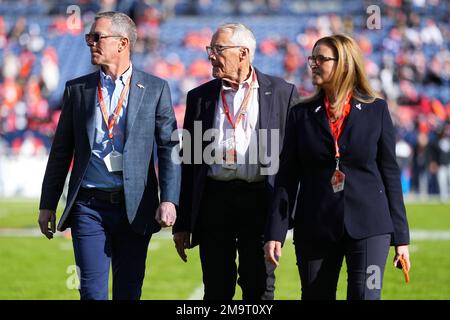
[(338, 184)]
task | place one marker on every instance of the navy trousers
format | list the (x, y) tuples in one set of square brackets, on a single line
[(319, 266), (102, 236)]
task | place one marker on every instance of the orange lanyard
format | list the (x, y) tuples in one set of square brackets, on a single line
[(337, 126), (113, 120), (243, 107)]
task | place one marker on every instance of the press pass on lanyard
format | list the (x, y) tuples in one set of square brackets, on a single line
[(338, 179)]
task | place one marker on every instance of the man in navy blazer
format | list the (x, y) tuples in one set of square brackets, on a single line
[(109, 124), (224, 203)]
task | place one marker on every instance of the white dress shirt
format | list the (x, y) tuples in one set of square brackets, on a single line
[(245, 133)]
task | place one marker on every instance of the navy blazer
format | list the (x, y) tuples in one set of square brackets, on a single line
[(372, 200), (275, 97), (150, 119)]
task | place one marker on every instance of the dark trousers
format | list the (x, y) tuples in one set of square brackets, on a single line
[(101, 235), (319, 266), (232, 219)]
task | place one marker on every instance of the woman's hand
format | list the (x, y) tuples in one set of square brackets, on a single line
[(402, 251)]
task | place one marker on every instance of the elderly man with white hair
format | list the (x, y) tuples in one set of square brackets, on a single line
[(225, 196)]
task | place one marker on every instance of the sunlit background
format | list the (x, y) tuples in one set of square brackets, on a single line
[(407, 52)]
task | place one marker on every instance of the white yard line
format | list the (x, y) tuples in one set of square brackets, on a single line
[(416, 234), (197, 294), (35, 232), (22, 232)]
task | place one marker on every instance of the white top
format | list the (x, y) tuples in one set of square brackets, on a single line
[(246, 136)]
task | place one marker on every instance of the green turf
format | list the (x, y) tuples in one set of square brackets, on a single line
[(429, 216), (36, 268), (20, 213), (429, 276)]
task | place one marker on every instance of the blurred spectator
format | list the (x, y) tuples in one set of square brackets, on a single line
[(198, 39), (107, 5), (37, 106), (407, 60), (439, 69), (440, 158), (421, 165), (26, 61), (169, 68), (3, 35), (336, 25), (404, 154), (148, 40), (431, 34), (150, 18), (11, 92), (49, 70), (365, 44), (18, 30), (200, 68), (58, 27), (269, 46), (308, 38), (11, 66), (292, 61), (33, 40)]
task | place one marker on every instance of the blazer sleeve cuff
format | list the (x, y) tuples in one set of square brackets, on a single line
[(399, 239), (170, 198)]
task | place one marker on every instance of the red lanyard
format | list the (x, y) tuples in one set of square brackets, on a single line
[(112, 121), (243, 107), (337, 126)]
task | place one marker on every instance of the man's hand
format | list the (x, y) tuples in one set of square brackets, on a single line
[(166, 214), (182, 242), (272, 252), (46, 217)]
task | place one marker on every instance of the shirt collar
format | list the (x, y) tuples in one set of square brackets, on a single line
[(123, 78), (247, 83)]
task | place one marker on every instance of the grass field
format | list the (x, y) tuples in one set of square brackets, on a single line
[(36, 268)]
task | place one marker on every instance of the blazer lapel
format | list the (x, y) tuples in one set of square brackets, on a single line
[(205, 113), (265, 98), (90, 92), (356, 110), (208, 106), (135, 96), (319, 114)]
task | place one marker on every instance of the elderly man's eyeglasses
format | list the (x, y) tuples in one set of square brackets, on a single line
[(319, 59), (95, 37), (218, 49)]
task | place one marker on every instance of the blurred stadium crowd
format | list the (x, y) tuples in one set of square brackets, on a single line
[(407, 59)]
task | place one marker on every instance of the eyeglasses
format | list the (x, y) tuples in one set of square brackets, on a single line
[(319, 60), (95, 37), (217, 49)]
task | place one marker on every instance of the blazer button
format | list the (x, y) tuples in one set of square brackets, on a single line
[(343, 147)]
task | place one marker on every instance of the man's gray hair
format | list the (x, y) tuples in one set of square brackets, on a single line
[(121, 24), (241, 36)]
